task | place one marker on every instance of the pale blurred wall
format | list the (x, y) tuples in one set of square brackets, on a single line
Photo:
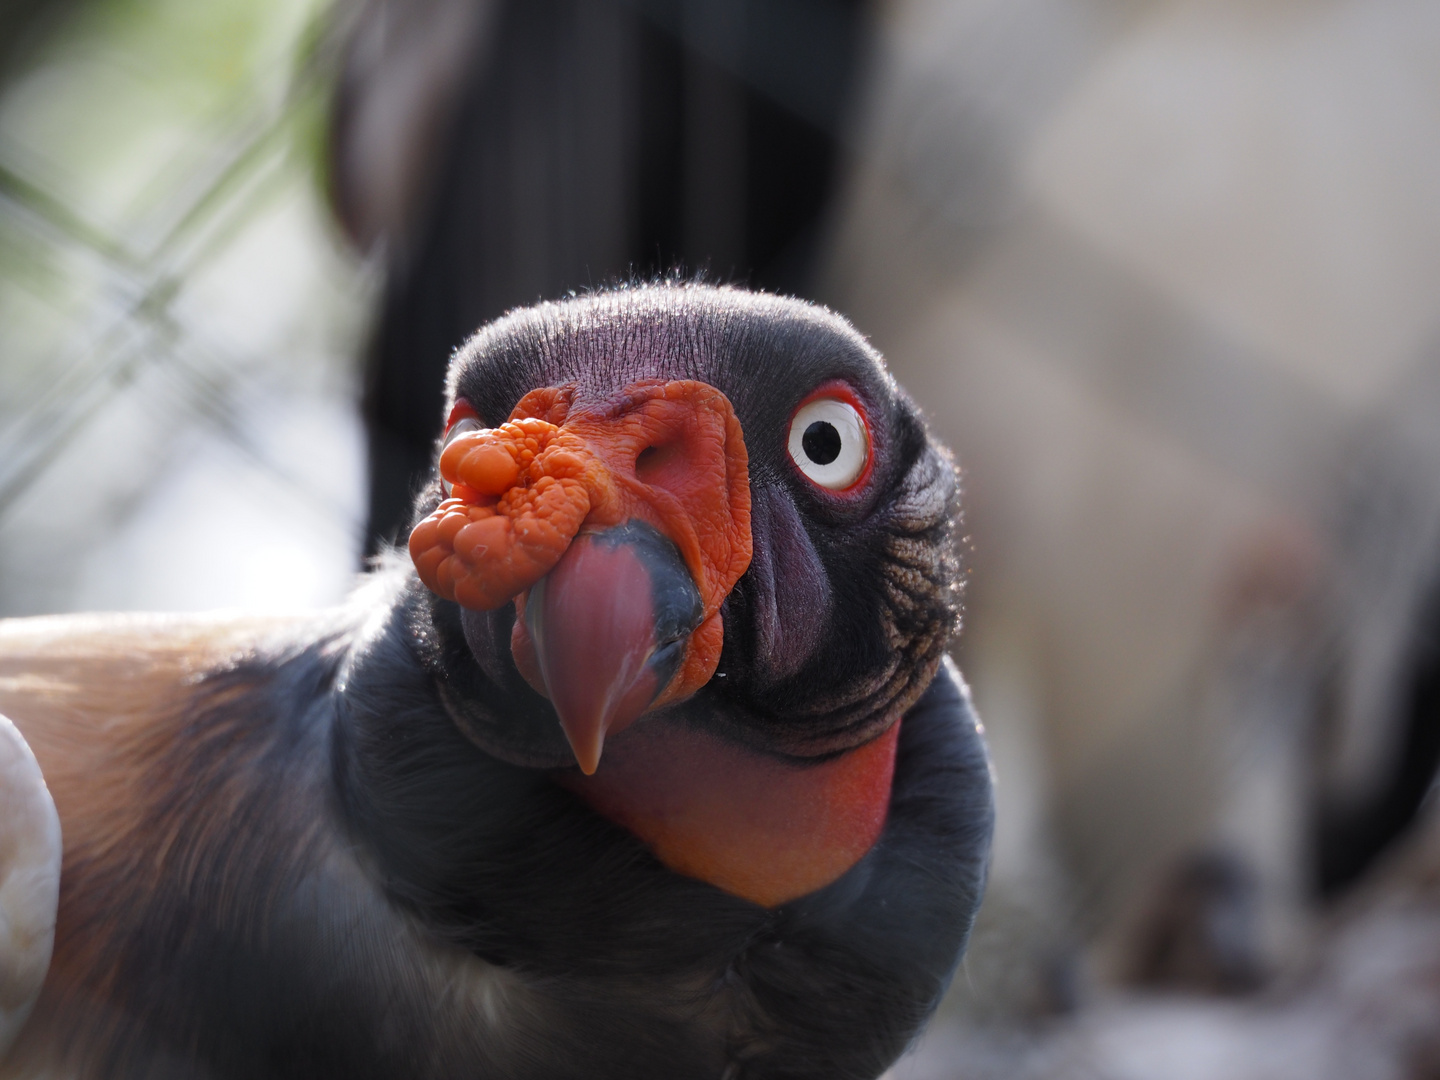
[(1167, 278)]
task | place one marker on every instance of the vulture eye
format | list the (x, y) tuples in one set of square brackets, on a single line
[(458, 426), (829, 442)]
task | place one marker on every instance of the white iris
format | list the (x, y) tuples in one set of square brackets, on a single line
[(828, 443)]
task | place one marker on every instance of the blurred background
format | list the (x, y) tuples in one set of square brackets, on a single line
[(1164, 273)]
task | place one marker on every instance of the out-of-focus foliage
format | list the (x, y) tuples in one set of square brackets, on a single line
[(176, 324)]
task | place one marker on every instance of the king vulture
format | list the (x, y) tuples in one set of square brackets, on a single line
[(648, 762)]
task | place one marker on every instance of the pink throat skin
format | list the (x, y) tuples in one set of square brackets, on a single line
[(757, 827)]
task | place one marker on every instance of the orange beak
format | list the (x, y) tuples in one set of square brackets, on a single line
[(618, 529)]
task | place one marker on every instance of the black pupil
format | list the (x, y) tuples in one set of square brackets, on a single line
[(821, 442)]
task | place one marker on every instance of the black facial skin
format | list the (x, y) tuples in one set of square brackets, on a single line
[(365, 875)]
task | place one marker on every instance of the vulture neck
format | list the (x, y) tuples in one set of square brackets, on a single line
[(766, 829)]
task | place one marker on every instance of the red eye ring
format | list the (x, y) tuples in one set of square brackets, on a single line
[(461, 410), (837, 390)]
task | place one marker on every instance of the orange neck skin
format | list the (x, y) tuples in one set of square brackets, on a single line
[(757, 827)]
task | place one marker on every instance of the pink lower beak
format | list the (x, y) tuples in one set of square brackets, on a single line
[(609, 625)]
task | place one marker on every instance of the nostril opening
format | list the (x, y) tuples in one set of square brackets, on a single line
[(652, 463)]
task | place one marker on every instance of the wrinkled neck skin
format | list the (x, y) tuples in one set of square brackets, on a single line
[(501, 863)]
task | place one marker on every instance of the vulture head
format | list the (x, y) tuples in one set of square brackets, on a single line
[(691, 549)]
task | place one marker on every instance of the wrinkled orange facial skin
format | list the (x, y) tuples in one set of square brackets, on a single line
[(668, 453)]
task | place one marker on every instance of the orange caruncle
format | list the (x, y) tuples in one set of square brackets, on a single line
[(521, 492)]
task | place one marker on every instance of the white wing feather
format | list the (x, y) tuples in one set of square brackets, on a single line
[(29, 881)]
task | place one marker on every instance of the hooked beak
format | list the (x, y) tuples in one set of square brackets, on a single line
[(607, 629)]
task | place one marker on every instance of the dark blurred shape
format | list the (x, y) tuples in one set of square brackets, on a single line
[(1200, 932), (24, 24), (1351, 836), (569, 144)]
